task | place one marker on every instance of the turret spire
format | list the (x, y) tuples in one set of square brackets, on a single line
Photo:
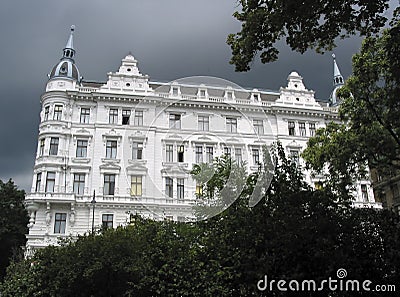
[(338, 81), (69, 50), (337, 76), (66, 67)]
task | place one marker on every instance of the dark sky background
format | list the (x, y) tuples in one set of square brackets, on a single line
[(170, 39)]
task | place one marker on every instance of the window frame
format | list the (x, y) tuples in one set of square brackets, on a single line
[(58, 111), (258, 126), (169, 187), (38, 183), (50, 181), (85, 115), (60, 222), (113, 116), (54, 144), (180, 188), (292, 128), (138, 119), (231, 124), (109, 184), (81, 150), (137, 150), (175, 121), (126, 116), (78, 186), (203, 122), (136, 185), (106, 222), (111, 149)]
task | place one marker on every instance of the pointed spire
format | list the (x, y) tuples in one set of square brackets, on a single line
[(337, 76), (69, 50), (338, 82)]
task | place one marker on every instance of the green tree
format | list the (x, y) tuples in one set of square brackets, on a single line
[(370, 105), (305, 24), (295, 232), (13, 223)]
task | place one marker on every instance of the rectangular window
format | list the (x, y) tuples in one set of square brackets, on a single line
[(137, 151), (231, 125), (181, 151), (57, 112), (113, 116), (202, 93), (291, 128), (53, 146), (258, 127), (175, 121), (175, 91), (59, 223), (79, 183), (256, 156), (227, 151), (180, 188), (109, 184), (81, 148), (238, 155), (38, 181), (169, 153), (41, 147), (107, 220), (294, 155), (85, 115), (169, 187), (199, 189), (311, 127), (204, 123), (364, 193), (209, 154), (136, 185), (138, 118), (111, 149), (126, 115), (199, 154), (50, 182), (46, 112), (302, 129)]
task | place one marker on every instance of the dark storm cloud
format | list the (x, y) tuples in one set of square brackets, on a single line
[(170, 39)]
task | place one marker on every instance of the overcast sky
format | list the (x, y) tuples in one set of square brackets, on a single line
[(170, 39)]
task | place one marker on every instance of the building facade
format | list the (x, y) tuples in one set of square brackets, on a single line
[(107, 150)]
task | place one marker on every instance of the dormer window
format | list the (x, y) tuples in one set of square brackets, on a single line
[(229, 94), (175, 91), (202, 93), (256, 97)]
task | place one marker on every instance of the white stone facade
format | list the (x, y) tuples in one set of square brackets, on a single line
[(133, 142)]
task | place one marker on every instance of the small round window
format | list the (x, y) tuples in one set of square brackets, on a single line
[(128, 84), (129, 70)]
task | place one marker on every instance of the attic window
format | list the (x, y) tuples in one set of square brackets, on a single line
[(128, 84), (255, 97), (129, 69), (297, 99), (295, 85), (202, 93), (229, 95), (175, 91)]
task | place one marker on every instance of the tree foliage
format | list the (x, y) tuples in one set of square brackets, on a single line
[(369, 110), (295, 232), (13, 223), (304, 24)]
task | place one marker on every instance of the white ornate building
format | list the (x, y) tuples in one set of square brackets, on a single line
[(133, 142)]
